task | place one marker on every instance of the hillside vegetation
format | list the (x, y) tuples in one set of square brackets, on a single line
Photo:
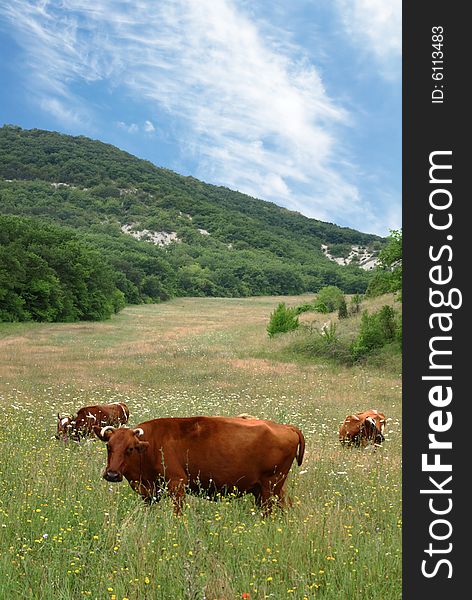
[(195, 239), (48, 274)]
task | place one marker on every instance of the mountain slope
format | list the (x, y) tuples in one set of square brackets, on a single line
[(165, 234)]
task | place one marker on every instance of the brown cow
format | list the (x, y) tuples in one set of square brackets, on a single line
[(220, 455), (87, 417), (363, 428)]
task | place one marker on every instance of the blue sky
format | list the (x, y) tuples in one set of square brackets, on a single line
[(297, 102)]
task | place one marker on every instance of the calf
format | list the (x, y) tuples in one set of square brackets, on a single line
[(87, 417), (363, 428), (217, 454)]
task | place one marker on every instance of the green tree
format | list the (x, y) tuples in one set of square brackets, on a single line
[(282, 319), (331, 297), (342, 310), (376, 330), (48, 274), (389, 272)]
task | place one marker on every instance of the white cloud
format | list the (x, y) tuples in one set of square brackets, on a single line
[(63, 113), (254, 112), (131, 128), (376, 27), (149, 127)]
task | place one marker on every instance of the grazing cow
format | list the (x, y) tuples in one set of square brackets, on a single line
[(363, 428), (87, 417), (220, 455), (64, 427)]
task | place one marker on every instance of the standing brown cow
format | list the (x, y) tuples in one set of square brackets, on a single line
[(87, 417), (363, 428), (217, 454)]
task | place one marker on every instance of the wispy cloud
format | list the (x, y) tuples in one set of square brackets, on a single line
[(130, 128), (376, 27), (149, 127), (255, 113), (65, 114)]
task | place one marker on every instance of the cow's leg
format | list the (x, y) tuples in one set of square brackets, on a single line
[(268, 496), (176, 488), (256, 492), (282, 499)]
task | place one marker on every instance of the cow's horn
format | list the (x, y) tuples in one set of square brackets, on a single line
[(138, 432), (105, 429)]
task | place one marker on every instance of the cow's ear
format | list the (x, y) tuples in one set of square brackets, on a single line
[(142, 446), (58, 417), (103, 433)]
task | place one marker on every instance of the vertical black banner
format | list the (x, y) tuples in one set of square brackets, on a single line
[(437, 247)]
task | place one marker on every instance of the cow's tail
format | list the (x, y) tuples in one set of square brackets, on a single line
[(301, 444)]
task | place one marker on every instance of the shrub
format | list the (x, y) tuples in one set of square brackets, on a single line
[(386, 317), (355, 304), (119, 301), (320, 307), (306, 307), (330, 345), (282, 319), (376, 331), (342, 310), (323, 344), (381, 283), (331, 296)]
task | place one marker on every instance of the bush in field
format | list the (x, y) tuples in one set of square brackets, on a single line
[(305, 307), (282, 319), (320, 307), (324, 343), (331, 296), (342, 310), (355, 304), (376, 331)]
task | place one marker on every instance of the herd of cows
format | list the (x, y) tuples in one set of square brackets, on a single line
[(214, 455)]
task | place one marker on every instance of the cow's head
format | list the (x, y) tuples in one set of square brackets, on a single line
[(122, 445), (65, 426), (373, 432)]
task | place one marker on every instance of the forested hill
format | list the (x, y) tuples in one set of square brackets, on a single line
[(164, 234)]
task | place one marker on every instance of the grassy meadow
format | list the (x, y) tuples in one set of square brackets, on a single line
[(66, 534)]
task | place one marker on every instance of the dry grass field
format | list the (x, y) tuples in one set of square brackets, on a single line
[(67, 534)]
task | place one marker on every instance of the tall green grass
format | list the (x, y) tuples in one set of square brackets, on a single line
[(67, 534)]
